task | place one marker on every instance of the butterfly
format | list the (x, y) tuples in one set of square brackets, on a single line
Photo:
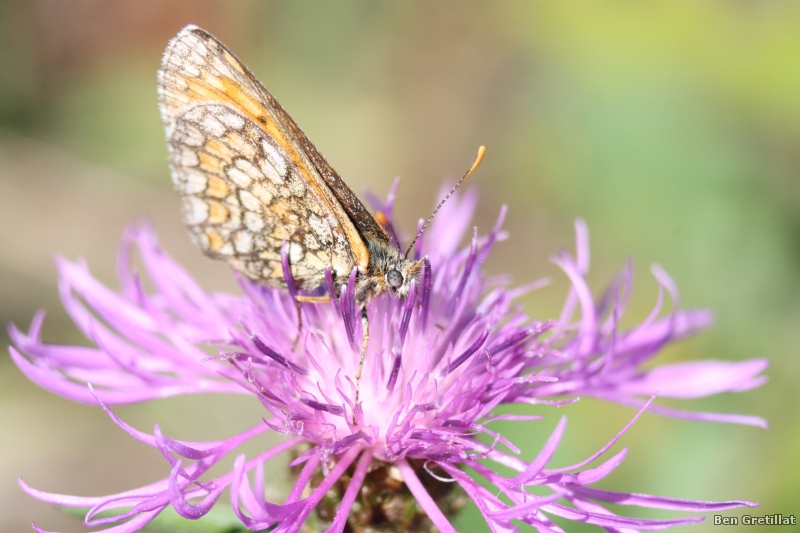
[(252, 186)]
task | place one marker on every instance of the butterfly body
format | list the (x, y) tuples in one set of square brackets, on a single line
[(250, 180)]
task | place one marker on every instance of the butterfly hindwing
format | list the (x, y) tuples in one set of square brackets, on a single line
[(242, 198)]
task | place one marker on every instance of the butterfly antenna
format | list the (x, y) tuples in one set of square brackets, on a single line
[(478, 159)]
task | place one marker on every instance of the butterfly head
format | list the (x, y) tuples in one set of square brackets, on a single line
[(391, 271), (388, 272), (399, 277)]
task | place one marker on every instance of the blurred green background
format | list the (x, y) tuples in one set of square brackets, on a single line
[(673, 128)]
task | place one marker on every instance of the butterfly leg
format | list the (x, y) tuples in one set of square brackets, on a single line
[(305, 299), (365, 325), (299, 324)]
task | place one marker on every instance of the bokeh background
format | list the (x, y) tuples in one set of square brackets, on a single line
[(672, 128)]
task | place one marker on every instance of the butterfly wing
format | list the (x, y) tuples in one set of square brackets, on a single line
[(247, 176)]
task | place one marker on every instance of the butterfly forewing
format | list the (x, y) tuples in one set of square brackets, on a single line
[(248, 177)]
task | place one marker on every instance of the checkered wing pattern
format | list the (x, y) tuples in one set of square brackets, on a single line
[(246, 180)]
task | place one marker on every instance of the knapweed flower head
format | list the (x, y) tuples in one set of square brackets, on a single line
[(418, 444)]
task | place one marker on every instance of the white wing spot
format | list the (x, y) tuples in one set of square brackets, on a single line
[(241, 145), (243, 242), (271, 172), (274, 157), (213, 126), (192, 136), (195, 210), (321, 228), (227, 249), (194, 182), (249, 201), (189, 158), (253, 221), (250, 168), (295, 252), (195, 114), (191, 69), (262, 193), (238, 177), (231, 120)]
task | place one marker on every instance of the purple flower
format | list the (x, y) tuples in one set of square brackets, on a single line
[(438, 364)]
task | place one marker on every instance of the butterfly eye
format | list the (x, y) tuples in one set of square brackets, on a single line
[(394, 278)]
